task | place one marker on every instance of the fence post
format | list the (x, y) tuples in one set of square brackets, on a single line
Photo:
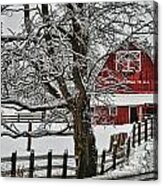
[(155, 128), (96, 156), (65, 158), (43, 116), (49, 166), (103, 161), (18, 117), (114, 154), (133, 136), (13, 164), (31, 164), (29, 137), (128, 147), (139, 132), (152, 126), (146, 128), (111, 143)]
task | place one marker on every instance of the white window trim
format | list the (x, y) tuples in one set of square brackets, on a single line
[(110, 110)]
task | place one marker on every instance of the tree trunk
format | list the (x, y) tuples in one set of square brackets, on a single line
[(85, 151)]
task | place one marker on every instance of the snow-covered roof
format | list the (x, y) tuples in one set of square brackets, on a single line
[(123, 99)]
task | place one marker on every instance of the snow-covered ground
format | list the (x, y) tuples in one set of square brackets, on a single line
[(55, 143), (141, 160), (59, 143), (103, 133)]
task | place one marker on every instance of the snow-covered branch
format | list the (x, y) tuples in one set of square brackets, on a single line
[(23, 106), (13, 133)]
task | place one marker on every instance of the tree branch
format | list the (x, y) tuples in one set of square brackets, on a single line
[(36, 133), (56, 104)]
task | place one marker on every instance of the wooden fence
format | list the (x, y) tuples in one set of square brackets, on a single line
[(28, 119), (141, 132), (110, 160), (32, 168), (23, 118)]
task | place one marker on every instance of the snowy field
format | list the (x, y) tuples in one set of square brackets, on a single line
[(141, 161), (58, 143), (55, 143)]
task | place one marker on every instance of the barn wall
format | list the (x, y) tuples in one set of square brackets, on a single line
[(144, 81), (137, 82), (102, 115), (122, 115)]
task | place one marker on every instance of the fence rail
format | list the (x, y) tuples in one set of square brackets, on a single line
[(26, 118), (30, 120), (108, 160), (141, 132), (14, 159)]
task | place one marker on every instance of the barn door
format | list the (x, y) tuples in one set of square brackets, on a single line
[(133, 114)]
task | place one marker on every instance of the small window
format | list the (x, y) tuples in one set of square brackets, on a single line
[(113, 111), (128, 61)]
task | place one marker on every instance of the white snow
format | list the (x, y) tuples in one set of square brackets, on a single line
[(124, 99), (41, 145), (59, 143), (103, 133), (141, 160)]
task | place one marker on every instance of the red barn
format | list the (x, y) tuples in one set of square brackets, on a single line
[(125, 88)]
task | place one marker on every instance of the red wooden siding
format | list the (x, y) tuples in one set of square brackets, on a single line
[(128, 71), (122, 115), (103, 116), (144, 81)]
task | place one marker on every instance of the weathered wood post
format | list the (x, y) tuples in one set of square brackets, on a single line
[(29, 137), (96, 155), (31, 164), (27, 17), (114, 154), (133, 135), (43, 116), (152, 126), (139, 132), (49, 165), (13, 164), (103, 162), (65, 158), (155, 128), (146, 129), (111, 143), (128, 147), (45, 12), (18, 117)]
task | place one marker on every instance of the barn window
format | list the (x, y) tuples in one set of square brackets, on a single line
[(113, 111), (128, 61)]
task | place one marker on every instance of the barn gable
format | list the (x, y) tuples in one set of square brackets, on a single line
[(128, 70)]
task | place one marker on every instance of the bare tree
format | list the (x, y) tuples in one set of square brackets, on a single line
[(52, 63)]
